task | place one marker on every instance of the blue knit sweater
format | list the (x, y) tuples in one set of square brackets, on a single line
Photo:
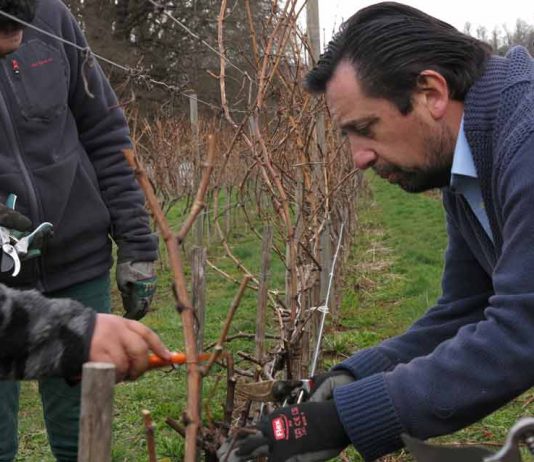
[(474, 351)]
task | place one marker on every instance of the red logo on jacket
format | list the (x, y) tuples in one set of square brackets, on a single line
[(280, 428), (41, 62)]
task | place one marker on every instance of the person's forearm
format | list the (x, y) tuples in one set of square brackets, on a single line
[(42, 337), (466, 289)]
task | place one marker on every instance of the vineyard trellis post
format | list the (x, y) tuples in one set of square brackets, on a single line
[(96, 414), (195, 130), (198, 299), (264, 280)]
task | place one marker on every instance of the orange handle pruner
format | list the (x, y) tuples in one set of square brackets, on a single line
[(177, 358)]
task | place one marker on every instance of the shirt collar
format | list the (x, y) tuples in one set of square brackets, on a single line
[(462, 162)]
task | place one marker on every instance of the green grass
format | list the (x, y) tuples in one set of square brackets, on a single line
[(393, 276), (164, 392)]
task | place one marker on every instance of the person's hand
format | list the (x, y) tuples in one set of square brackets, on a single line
[(308, 432), (11, 219), (324, 384), (126, 344), (137, 285)]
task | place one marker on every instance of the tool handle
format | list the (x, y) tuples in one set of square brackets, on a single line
[(177, 358), (11, 201)]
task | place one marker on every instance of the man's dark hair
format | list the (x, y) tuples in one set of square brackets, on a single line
[(21, 9), (390, 44)]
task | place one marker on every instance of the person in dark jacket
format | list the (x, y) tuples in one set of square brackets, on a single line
[(46, 337), (42, 337), (426, 106), (62, 133)]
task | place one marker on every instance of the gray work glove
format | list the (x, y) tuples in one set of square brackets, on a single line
[(11, 219), (324, 384), (308, 432), (137, 284)]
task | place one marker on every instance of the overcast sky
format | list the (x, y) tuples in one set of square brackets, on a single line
[(488, 13)]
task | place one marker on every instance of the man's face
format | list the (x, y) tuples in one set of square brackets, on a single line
[(414, 151), (10, 39)]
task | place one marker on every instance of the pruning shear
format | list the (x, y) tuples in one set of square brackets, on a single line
[(9, 250), (521, 432), (22, 245), (14, 248), (177, 359), (279, 391)]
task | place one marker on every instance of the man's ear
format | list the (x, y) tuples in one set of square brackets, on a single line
[(433, 92)]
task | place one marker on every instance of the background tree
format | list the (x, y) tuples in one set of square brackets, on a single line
[(139, 34)]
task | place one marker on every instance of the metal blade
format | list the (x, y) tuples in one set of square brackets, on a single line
[(424, 452), (9, 251), (7, 263)]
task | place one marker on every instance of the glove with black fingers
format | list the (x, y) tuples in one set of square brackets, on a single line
[(324, 384), (137, 285), (308, 432), (11, 219)]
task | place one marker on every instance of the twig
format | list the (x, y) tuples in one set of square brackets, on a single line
[(149, 431), (198, 204), (229, 318), (250, 358), (209, 400), (183, 432), (230, 392), (241, 335), (184, 307)]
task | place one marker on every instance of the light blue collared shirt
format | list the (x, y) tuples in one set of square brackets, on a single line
[(464, 179)]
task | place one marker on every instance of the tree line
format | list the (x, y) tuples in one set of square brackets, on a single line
[(502, 38), (142, 34)]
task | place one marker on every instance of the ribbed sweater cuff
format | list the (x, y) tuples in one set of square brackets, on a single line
[(368, 416), (366, 363)]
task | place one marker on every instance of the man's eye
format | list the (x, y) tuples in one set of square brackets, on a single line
[(364, 132)]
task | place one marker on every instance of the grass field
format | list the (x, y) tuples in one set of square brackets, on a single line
[(393, 276)]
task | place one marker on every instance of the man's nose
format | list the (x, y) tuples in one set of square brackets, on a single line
[(363, 158)]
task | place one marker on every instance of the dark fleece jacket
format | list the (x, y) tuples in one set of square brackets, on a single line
[(42, 337), (61, 136)]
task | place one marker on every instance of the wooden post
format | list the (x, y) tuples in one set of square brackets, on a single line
[(195, 129), (198, 274), (228, 211), (94, 444), (306, 349), (198, 299), (314, 33), (264, 279), (319, 153)]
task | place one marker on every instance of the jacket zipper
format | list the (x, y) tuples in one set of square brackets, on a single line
[(15, 149)]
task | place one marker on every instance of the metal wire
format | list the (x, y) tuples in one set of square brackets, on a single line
[(325, 311)]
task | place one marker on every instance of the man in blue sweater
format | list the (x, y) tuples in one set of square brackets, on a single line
[(426, 106), (62, 133)]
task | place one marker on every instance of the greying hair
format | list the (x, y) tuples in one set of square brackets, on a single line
[(389, 44)]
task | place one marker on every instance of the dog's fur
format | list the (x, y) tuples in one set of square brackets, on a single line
[(22, 9)]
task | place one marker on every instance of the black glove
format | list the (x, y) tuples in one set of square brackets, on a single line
[(324, 384), (12, 219), (308, 432)]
